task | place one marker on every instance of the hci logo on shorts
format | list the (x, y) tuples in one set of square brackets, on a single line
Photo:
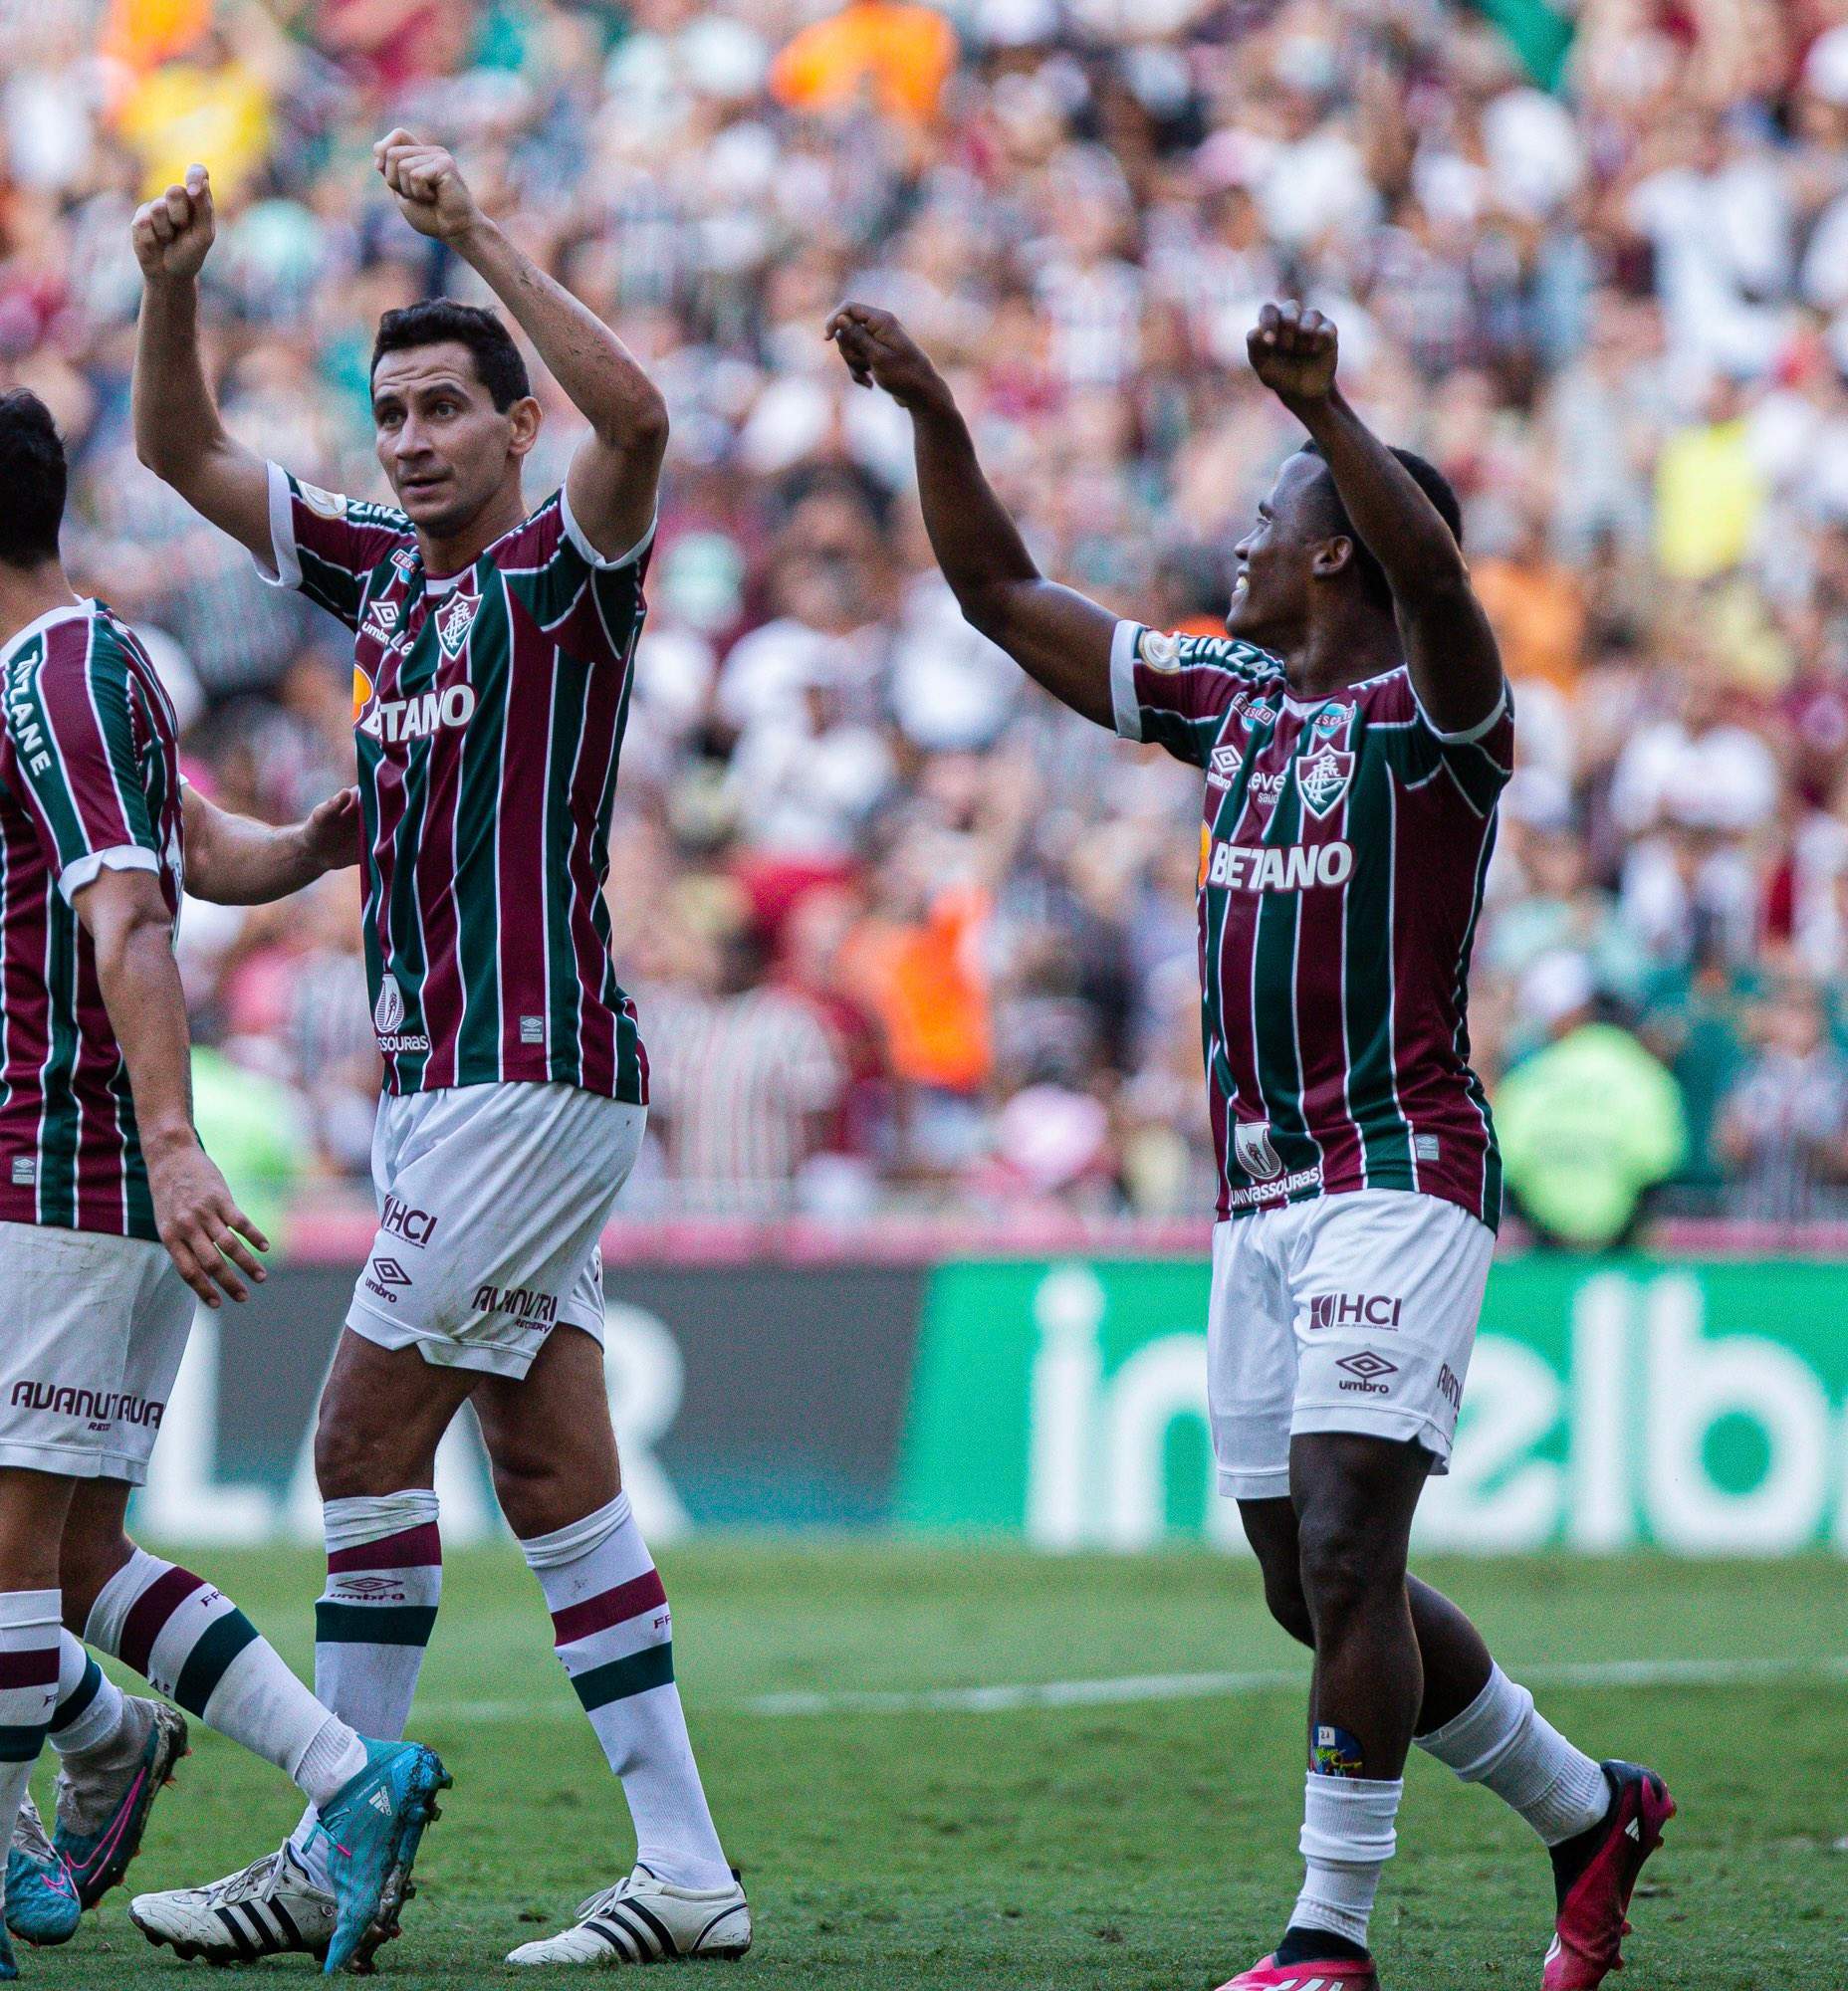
[(1353, 1310), (1251, 1146)]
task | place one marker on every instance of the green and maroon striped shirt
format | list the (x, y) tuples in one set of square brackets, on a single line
[(1343, 846), (89, 779), (489, 709)]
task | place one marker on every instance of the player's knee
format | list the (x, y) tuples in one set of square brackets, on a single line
[(1289, 1606), (350, 1461), (1344, 1566), (535, 1491)]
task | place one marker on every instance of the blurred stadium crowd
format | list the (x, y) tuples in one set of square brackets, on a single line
[(902, 932)]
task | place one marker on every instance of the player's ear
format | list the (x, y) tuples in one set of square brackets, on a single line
[(524, 417), (1332, 556)]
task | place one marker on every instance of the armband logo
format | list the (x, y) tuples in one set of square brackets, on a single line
[(324, 503), (1160, 652)]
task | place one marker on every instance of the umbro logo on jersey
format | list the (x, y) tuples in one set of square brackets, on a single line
[(1323, 777), (381, 621), (1222, 767)]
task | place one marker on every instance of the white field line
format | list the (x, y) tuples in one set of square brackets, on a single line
[(1619, 1674)]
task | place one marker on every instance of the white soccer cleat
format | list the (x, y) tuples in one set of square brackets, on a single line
[(271, 1908), (644, 1921)]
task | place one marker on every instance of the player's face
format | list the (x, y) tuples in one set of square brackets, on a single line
[(446, 449), (1277, 559)]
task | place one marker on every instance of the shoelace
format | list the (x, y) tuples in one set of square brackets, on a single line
[(594, 1905), (257, 1875), (29, 1834)]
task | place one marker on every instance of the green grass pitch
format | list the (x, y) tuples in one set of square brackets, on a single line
[(1122, 1846)]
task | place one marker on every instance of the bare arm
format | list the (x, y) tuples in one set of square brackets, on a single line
[(613, 476), (1449, 645), (234, 861), (203, 1228), (1058, 637), (177, 430)]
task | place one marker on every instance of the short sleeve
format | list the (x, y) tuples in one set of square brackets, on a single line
[(1173, 691), (71, 722), (589, 603), (1480, 759), (328, 546)]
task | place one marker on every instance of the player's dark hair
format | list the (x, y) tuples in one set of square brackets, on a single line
[(1429, 479), (32, 480), (436, 320)]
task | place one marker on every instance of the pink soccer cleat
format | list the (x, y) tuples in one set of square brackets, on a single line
[(1596, 1874), (1271, 1975)]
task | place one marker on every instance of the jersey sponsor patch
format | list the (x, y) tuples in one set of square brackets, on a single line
[(1275, 867), (1255, 1152)]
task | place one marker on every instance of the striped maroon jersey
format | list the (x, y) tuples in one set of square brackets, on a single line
[(1343, 854), (89, 779), (488, 710)]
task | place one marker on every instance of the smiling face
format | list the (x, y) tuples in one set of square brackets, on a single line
[(1288, 550), (445, 448)]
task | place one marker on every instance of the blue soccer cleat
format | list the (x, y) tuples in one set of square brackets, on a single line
[(372, 1827), (105, 1796), (41, 1896), (9, 1971)]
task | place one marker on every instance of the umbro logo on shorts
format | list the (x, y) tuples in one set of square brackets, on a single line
[(1366, 1371), (381, 1276)]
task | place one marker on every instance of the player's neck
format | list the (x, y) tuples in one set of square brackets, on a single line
[(27, 592), (453, 552), (1341, 647)]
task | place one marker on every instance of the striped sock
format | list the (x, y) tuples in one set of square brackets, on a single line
[(373, 1621), (192, 1644), (90, 1704), (29, 1630), (613, 1633)]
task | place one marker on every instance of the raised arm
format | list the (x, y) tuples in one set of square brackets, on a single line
[(1449, 645), (177, 430), (613, 476), (208, 1235), (1057, 636), (234, 861)]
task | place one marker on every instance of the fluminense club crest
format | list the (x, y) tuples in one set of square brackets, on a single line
[(455, 617), (1323, 776)]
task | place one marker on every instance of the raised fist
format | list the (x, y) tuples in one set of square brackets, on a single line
[(431, 193), (173, 231), (1293, 352)]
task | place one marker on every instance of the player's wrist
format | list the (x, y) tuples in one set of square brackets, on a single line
[(167, 1140), (474, 236)]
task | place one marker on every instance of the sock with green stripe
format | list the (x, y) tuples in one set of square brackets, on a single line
[(28, 1690), (373, 1621), (613, 1631), (192, 1644), (90, 1704)]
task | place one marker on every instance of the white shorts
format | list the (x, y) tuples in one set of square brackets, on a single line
[(490, 1201), (96, 1328), (1347, 1313)]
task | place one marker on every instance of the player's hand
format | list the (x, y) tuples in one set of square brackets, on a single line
[(172, 232), (207, 1237), (880, 352), (1293, 352), (431, 193), (330, 833)]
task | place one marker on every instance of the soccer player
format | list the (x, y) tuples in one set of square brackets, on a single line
[(493, 648), (1355, 731), (114, 1224)]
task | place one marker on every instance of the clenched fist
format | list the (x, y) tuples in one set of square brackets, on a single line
[(880, 352), (1293, 353), (432, 195), (173, 231)]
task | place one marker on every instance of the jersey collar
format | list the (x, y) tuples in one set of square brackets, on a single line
[(37, 627)]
